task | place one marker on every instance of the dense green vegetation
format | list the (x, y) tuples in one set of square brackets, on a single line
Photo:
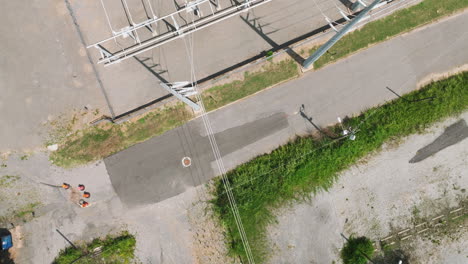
[(399, 22), (118, 249), (357, 250), (309, 164)]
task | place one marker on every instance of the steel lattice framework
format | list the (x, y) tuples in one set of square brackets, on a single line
[(145, 36)]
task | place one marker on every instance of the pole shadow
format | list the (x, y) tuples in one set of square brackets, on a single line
[(451, 136), (309, 118)]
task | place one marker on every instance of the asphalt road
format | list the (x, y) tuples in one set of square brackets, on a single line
[(268, 119)]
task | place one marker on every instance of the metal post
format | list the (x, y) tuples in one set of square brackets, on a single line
[(178, 90), (314, 57)]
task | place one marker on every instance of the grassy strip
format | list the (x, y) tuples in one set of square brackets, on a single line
[(273, 73), (99, 142), (401, 21), (308, 164), (118, 249)]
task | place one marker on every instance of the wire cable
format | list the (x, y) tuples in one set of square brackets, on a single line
[(215, 149)]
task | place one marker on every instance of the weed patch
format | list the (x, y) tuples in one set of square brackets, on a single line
[(273, 73), (8, 180), (112, 249)]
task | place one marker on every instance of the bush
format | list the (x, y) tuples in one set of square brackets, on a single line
[(357, 250)]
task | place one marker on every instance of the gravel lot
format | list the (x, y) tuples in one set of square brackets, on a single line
[(176, 230), (382, 194)]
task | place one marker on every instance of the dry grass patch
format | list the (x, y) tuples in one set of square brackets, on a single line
[(101, 141)]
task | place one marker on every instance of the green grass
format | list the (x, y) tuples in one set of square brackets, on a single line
[(98, 142), (308, 165), (399, 22), (118, 249), (273, 73)]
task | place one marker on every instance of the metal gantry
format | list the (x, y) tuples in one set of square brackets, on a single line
[(114, 50), (142, 36)]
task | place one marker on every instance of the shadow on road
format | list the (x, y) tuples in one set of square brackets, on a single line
[(309, 118)]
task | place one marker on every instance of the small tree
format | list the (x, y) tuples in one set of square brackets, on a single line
[(356, 250)]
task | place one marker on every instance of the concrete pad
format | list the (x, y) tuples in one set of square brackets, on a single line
[(44, 71)]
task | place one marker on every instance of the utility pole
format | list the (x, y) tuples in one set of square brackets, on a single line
[(317, 54)]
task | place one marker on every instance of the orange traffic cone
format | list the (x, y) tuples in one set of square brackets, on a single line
[(83, 203)]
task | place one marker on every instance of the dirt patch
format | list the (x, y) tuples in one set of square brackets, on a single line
[(209, 238)]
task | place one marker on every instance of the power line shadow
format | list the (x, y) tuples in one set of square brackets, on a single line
[(255, 25), (262, 54)]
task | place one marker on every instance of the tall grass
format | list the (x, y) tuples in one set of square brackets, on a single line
[(308, 165)]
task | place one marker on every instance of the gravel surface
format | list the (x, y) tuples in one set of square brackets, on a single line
[(384, 193), (177, 230)]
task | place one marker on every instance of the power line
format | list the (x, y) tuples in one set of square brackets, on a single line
[(216, 152)]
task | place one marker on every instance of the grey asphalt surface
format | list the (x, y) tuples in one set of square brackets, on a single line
[(160, 173), (341, 89)]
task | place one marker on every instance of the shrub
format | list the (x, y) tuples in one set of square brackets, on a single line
[(357, 250)]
